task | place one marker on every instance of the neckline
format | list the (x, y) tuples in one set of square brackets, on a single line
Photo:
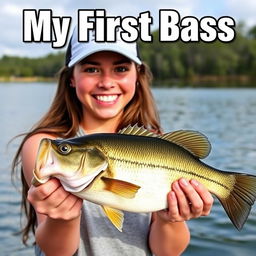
[(80, 132)]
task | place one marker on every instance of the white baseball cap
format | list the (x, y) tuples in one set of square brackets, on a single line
[(77, 51)]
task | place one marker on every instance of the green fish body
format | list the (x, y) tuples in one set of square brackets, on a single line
[(134, 169)]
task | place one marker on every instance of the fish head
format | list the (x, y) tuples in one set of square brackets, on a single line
[(74, 164)]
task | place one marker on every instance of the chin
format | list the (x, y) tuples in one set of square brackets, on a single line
[(109, 115)]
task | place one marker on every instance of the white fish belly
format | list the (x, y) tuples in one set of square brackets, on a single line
[(152, 195)]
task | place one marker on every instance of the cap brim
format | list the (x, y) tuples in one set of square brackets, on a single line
[(85, 53)]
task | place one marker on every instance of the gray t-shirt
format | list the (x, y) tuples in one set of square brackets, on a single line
[(100, 237)]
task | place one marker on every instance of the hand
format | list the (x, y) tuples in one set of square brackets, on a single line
[(52, 200), (187, 200)]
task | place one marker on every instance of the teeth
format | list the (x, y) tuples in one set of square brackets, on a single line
[(106, 98)]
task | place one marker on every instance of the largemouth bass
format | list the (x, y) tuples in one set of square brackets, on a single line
[(133, 171)]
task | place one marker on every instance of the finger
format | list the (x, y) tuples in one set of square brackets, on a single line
[(196, 203), (205, 195), (55, 199), (173, 210), (43, 191), (183, 203), (51, 203), (67, 209), (76, 208)]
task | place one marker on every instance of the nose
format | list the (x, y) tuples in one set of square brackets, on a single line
[(106, 82)]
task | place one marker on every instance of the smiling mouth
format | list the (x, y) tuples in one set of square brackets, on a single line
[(106, 98)]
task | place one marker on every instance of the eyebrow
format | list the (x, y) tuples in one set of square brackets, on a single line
[(123, 61), (95, 63)]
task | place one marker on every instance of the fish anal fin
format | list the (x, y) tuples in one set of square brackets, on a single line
[(115, 216), (120, 187), (193, 141)]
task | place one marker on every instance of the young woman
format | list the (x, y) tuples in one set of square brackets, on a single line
[(102, 88)]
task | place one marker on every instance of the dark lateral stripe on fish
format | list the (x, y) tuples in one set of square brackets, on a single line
[(170, 169)]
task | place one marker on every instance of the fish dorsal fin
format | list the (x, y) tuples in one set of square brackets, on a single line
[(137, 130), (193, 141), (115, 216), (120, 187)]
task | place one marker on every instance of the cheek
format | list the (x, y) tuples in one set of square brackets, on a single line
[(83, 86), (129, 85)]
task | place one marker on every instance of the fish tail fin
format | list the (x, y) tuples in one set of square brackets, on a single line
[(240, 200)]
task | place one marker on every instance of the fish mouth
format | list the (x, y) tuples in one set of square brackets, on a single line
[(44, 158), (76, 184), (82, 184)]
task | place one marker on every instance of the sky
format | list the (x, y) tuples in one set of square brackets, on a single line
[(11, 21)]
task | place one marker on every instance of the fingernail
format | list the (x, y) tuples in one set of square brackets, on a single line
[(176, 185), (194, 182), (184, 182), (172, 195)]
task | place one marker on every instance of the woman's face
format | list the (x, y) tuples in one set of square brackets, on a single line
[(105, 83)]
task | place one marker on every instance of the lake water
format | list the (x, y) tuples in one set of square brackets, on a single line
[(226, 116)]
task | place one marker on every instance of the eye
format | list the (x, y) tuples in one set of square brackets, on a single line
[(64, 149), (91, 70), (121, 69)]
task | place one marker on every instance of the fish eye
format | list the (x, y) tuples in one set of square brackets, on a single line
[(64, 148)]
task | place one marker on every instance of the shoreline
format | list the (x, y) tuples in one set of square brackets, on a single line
[(32, 79), (193, 81)]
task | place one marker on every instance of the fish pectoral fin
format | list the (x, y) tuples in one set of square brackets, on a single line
[(115, 216), (120, 187), (193, 141)]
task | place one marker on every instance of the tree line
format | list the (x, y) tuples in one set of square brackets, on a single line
[(169, 62)]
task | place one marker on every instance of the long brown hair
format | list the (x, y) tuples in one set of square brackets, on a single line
[(65, 115)]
